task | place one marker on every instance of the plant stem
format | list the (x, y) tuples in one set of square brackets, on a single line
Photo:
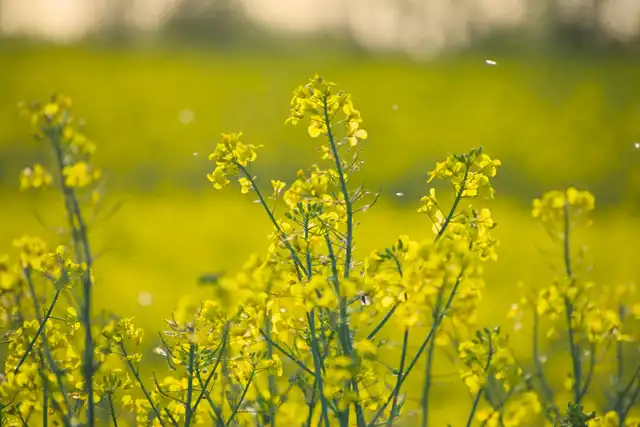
[(45, 398), (632, 401), (455, 202), (476, 401), (283, 235), (221, 349), (112, 410), (244, 394), (317, 362), (445, 225), (623, 394), (47, 351), (273, 390), (80, 233), (219, 421), (288, 354), (574, 347), (592, 366), (343, 188), (416, 357), (187, 404), (547, 392), (396, 390), (43, 322), (136, 375), (430, 354)]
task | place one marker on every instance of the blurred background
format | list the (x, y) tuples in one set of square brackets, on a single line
[(550, 87)]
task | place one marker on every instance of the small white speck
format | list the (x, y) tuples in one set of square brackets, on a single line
[(542, 358), (587, 353), (196, 154), (186, 116), (257, 202), (490, 62), (517, 326), (145, 299), (283, 310), (514, 306), (27, 171), (399, 194), (394, 107), (161, 351), (636, 145)]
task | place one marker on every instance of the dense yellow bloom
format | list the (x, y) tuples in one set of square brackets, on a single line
[(81, 174), (319, 101), (294, 334)]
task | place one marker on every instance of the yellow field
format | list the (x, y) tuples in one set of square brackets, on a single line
[(551, 122)]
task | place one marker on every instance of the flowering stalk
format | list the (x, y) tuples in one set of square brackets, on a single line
[(190, 369), (423, 346), (343, 188), (136, 375), (476, 400), (547, 392), (574, 347), (81, 239), (317, 363), (283, 236), (399, 378), (430, 355), (47, 352)]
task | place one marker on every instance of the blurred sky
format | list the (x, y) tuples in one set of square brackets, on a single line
[(421, 27)]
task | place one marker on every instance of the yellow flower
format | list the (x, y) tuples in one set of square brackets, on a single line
[(245, 185), (80, 174), (277, 186), (218, 177), (35, 177)]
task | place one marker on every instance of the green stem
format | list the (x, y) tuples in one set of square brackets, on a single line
[(312, 403), (283, 235), (631, 404), (429, 366), (81, 234), (476, 401), (592, 366), (445, 225), (574, 347), (455, 202), (43, 322), (136, 375), (416, 357), (220, 350), (219, 421), (383, 322), (47, 351), (112, 410), (273, 390), (187, 404), (45, 398), (345, 340), (244, 394), (396, 390), (623, 394), (288, 354), (547, 392), (343, 188), (317, 362)]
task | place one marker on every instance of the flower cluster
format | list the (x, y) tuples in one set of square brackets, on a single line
[(232, 156)]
